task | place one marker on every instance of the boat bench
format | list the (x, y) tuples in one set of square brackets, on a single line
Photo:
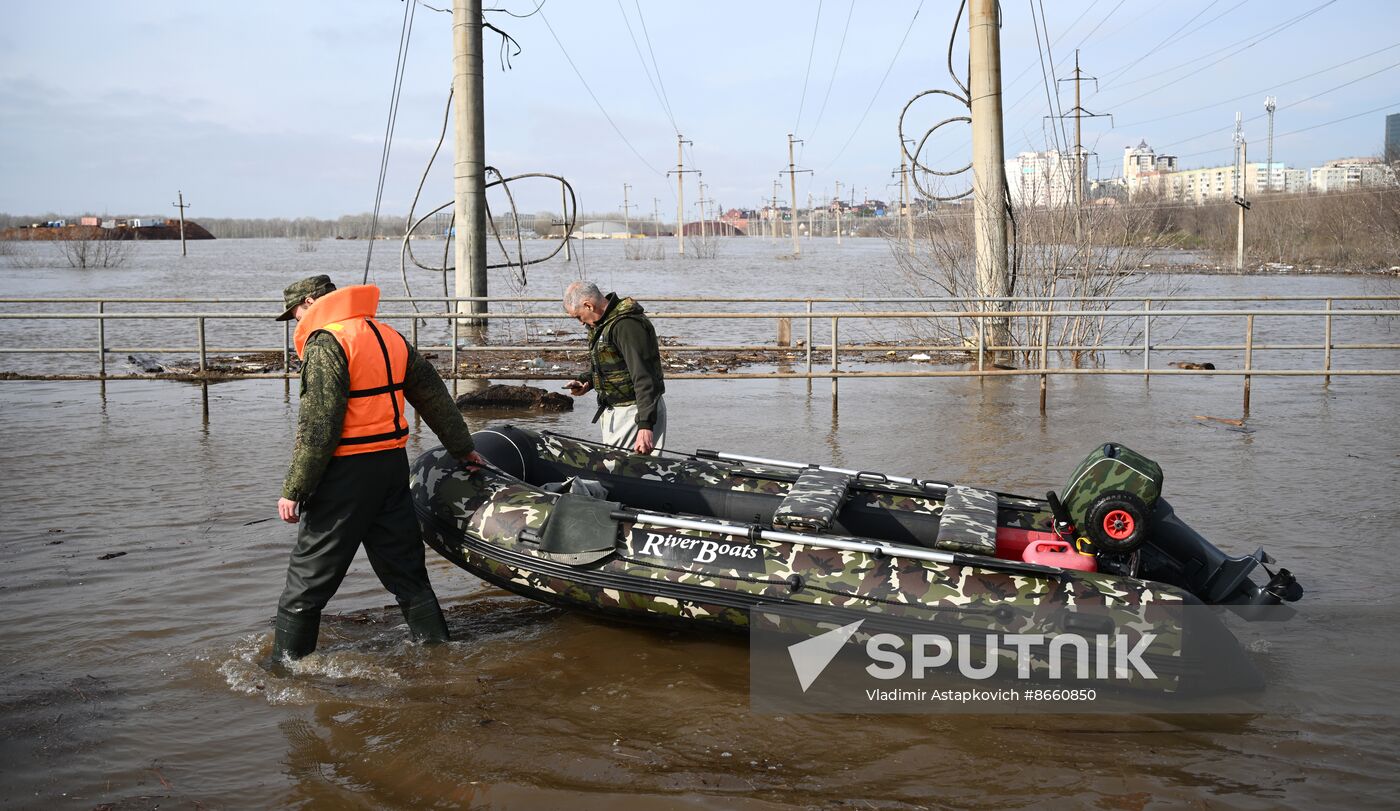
[(813, 500), (968, 522)]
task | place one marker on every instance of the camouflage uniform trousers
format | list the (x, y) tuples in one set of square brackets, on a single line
[(619, 424), (361, 498)]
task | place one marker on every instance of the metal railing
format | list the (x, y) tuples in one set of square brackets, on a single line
[(979, 351)]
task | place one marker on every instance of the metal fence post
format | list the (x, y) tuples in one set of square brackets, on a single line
[(835, 359), (1248, 356), (809, 346), (101, 341), (455, 322), (1327, 345), (1147, 340), (203, 363), (981, 345), (1044, 357), (287, 348)]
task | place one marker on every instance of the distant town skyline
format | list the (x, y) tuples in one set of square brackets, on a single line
[(279, 110)]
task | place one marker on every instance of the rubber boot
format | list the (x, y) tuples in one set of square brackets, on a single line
[(294, 635), (426, 623)]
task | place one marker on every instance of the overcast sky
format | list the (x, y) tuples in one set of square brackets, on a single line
[(278, 108)]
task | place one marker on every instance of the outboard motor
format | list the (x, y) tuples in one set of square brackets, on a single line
[(1109, 499)]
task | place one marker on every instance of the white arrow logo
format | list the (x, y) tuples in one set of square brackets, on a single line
[(811, 656)]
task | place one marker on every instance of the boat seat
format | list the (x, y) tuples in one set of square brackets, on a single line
[(813, 500), (968, 522)]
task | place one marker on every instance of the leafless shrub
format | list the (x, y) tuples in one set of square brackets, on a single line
[(81, 249), (307, 244), (703, 247), (638, 249), (1103, 264), (1357, 229)]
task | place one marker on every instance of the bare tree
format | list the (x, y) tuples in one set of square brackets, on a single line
[(81, 248)]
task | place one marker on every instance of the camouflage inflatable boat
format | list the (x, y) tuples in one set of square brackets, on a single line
[(705, 537)]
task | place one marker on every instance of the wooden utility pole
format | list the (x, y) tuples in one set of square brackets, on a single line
[(626, 212), (680, 173), (469, 168), (182, 205), (792, 173), (988, 162)]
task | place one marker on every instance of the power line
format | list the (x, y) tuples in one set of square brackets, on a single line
[(844, 31), (811, 51), (1116, 73), (645, 69), (878, 88), (592, 95), (1383, 107), (647, 36), (1290, 104), (1263, 35), (1268, 89), (400, 63)]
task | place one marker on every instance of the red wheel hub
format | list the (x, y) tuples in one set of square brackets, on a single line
[(1119, 525)]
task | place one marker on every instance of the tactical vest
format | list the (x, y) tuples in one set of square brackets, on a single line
[(611, 379), (378, 361)]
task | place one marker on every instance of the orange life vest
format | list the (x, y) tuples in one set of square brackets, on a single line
[(378, 359)]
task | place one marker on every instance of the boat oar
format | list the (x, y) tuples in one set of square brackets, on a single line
[(701, 453), (755, 532)]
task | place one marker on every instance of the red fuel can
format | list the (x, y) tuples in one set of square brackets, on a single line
[(1059, 554)]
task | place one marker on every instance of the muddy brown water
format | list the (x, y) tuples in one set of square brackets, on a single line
[(137, 680)]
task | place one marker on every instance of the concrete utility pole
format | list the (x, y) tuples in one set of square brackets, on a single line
[(656, 217), (1270, 104), (773, 225), (988, 161), (811, 223), (792, 173), (701, 204), (626, 211), (469, 168), (680, 172), (1241, 191), (905, 203), (837, 201), (182, 205)]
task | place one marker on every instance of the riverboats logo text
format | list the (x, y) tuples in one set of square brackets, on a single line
[(684, 550)]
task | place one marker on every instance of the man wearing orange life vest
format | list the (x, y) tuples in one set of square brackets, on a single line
[(348, 480)]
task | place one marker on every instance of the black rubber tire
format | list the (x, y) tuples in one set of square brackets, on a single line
[(1104, 506)]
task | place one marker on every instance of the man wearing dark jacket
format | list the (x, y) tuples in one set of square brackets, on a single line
[(348, 479), (625, 368)]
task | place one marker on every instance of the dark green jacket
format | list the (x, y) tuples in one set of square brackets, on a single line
[(325, 383), (626, 360)]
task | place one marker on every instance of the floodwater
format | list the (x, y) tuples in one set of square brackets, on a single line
[(137, 680)]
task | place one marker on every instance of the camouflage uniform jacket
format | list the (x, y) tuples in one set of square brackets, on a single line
[(626, 360), (325, 384)]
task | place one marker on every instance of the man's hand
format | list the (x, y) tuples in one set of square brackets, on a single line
[(288, 510), (645, 441), (475, 459), (578, 388)]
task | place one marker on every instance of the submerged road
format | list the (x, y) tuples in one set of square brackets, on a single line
[(138, 577)]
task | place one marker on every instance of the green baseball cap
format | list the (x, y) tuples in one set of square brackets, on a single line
[(296, 293)]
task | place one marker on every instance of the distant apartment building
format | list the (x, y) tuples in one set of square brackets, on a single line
[(1351, 173), (1392, 138), (1038, 179), (1143, 169)]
